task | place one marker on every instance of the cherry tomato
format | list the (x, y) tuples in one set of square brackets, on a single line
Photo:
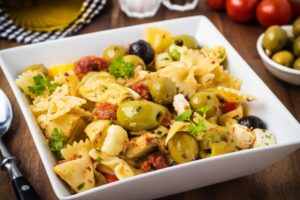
[(273, 12), (241, 10), (111, 178), (228, 106), (295, 4), (216, 4)]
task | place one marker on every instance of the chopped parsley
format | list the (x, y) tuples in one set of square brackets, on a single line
[(158, 132), (139, 108), (175, 55), (195, 129), (120, 68), (57, 142), (42, 84), (81, 186), (99, 159), (185, 116)]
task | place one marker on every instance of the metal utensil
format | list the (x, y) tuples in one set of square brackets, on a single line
[(23, 189)]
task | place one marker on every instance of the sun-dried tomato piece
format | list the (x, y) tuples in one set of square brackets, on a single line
[(105, 111), (142, 90), (154, 161), (90, 63)]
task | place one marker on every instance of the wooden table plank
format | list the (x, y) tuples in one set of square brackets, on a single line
[(279, 181)]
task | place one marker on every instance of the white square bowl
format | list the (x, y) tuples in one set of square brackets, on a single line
[(174, 179)]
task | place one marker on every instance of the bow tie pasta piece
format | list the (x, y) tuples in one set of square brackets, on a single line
[(61, 105), (232, 95), (70, 125), (218, 53), (97, 131), (229, 81), (115, 140), (78, 174), (202, 63), (182, 76), (77, 150), (70, 79), (25, 80), (85, 115), (113, 164), (40, 104), (101, 87)]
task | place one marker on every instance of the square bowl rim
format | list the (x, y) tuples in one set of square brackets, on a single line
[(27, 117)]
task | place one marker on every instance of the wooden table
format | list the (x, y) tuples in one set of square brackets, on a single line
[(279, 181)]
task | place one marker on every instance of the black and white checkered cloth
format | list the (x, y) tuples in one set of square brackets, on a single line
[(10, 31)]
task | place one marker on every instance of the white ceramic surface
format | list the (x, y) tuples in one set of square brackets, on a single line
[(185, 7), (140, 8), (174, 179), (286, 74)]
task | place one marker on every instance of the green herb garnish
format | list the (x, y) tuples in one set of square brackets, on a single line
[(175, 55), (120, 68), (42, 84), (56, 142), (185, 116), (195, 129), (158, 132), (99, 159)]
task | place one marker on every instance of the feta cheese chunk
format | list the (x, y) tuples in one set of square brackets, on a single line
[(263, 138), (180, 104), (243, 136)]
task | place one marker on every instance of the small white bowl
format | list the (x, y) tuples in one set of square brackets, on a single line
[(286, 74)]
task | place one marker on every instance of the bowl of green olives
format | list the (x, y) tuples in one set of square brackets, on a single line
[(279, 49)]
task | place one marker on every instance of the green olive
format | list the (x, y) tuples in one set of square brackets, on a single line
[(183, 148), (217, 149), (140, 115), (296, 46), (216, 142), (113, 52), (137, 61), (162, 90), (284, 58), (296, 64), (186, 40), (36, 67), (205, 102), (296, 28), (275, 39)]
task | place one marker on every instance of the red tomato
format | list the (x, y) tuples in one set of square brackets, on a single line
[(295, 4), (271, 12), (228, 106), (241, 10), (111, 178), (216, 4)]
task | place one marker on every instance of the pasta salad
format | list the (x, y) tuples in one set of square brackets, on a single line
[(162, 101)]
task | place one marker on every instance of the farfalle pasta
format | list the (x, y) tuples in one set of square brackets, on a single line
[(131, 111)]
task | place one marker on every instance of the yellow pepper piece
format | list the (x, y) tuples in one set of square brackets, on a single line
[(60, 69), (160, 39)]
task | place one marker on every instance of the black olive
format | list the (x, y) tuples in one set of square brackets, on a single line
[(252, 122), (142, 49)]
